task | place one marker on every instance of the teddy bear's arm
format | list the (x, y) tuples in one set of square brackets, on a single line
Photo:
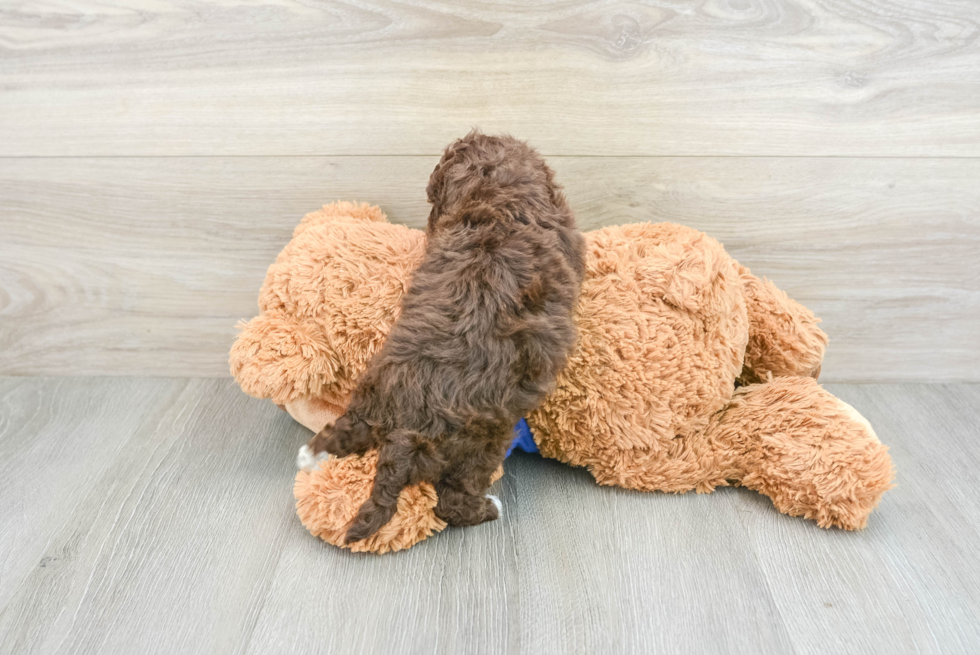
[(282, 357), (784, 338)]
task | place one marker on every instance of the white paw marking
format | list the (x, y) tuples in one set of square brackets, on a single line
[(496, 501), (307, 461)]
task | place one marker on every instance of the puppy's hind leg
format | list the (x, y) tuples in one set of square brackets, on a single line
[(460, 507), (462, 490), (407, 458), (463, 497)]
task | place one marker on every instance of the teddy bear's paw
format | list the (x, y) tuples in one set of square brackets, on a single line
[(307, 460), (858, 418), (496, 502)]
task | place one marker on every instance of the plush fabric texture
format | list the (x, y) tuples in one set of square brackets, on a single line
[(327, 500), (326, 305), (793, 441), (669, 327), (784, 339)]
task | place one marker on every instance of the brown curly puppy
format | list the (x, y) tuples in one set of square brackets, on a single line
[(484, 329)]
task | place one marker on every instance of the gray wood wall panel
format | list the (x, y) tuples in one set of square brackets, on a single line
[(142, 266), (746, 77)]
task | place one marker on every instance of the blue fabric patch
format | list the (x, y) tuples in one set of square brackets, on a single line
[(522, 439)]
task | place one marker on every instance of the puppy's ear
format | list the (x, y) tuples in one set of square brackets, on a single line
[(471, 215), (407, 458), (435, 183), (451, 156), (433, 190)]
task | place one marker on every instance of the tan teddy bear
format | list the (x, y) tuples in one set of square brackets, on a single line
[(689, 373)]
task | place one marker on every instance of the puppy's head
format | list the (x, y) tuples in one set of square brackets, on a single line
[(483, 168)]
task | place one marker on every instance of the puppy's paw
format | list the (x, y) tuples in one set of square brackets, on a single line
[(496, 503), (306, 460)]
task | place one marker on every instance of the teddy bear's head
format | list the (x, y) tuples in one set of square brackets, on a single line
[(326, 306)]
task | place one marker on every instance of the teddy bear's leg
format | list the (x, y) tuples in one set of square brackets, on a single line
[(784, 339), (813, 454)]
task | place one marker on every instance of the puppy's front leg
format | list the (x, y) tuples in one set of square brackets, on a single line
[(348, 436)]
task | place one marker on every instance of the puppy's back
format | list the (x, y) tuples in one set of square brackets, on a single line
[(485, 327), (487, 322)]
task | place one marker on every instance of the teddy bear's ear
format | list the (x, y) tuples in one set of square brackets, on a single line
[(341, 211), (283, 357)]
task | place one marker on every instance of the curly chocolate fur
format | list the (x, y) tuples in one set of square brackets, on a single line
[(485, 327)]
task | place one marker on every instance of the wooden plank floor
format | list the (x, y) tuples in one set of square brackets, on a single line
[(155, 516)]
